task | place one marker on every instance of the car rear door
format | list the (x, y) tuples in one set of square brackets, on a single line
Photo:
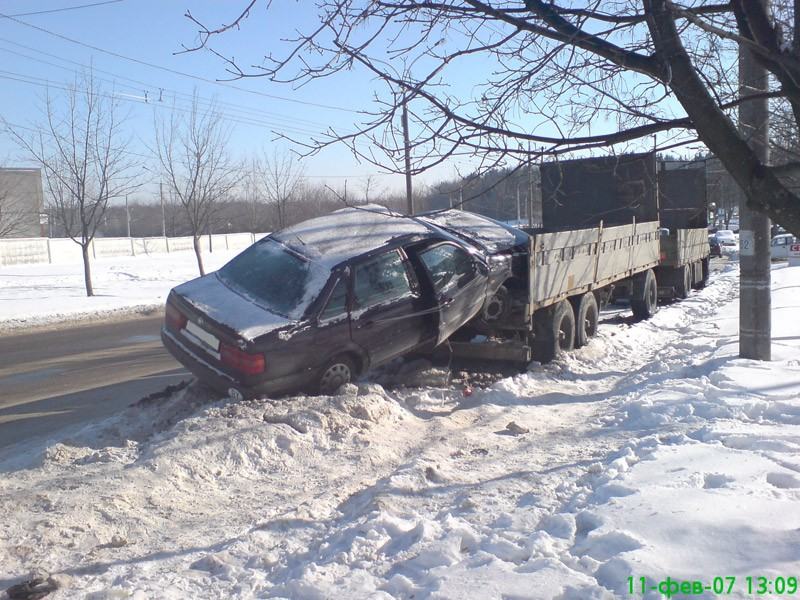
[(388, 316), (459, 284)]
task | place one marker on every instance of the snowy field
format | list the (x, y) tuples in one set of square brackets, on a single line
[(45, 295), (651, 453)]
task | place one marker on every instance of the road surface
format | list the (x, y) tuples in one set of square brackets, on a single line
[(54, 379)]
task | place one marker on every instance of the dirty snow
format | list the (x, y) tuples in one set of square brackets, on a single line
[(652, 452)]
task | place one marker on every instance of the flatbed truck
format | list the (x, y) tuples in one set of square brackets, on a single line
[(601, 236)]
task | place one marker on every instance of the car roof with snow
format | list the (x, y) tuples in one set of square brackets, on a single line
[(488, 233), (349, 232)]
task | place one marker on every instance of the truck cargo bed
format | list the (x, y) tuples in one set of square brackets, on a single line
[(565, 263)]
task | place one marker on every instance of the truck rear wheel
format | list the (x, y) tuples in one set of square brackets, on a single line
[(683, 283), (554, 331), (706, 271), (644, 294), (586, 317)]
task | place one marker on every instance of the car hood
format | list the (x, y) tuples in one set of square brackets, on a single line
[(211, 297)]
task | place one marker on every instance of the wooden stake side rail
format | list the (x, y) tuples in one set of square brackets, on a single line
[(684, 246), (565, 263)]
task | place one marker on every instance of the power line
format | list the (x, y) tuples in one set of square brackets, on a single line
[(65, 8), (174, 71), (156, 89), (275, 127)]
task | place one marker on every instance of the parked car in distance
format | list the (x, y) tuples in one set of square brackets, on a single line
[(310, 307), (726, 237), (716, 249), (779, 247)]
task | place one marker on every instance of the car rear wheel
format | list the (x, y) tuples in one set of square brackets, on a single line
[(338, 371)]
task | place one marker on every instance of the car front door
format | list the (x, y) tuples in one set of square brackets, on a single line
[(387, 318), (459, 283)]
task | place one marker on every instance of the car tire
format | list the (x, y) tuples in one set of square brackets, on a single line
[(644, 294), (554, 331), (683, 285), (586, 316), (338, 371)]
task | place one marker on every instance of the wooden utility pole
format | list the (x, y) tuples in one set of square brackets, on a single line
[(754, 228), (407, 145)]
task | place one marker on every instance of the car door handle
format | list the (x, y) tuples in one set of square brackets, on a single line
[(445, 301)]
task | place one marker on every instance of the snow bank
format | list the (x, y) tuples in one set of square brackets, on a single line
[(44, 295), (654, 452)]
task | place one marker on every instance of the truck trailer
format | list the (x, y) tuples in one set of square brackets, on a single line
[(601, 236)]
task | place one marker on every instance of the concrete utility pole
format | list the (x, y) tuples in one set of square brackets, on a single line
[(407, 145), (163, 212), (127, 215), (754, 228)]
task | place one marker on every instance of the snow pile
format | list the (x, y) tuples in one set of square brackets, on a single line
[(42, 295), (652, 452)]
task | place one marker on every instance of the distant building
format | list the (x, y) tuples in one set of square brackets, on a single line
[(21, 203)]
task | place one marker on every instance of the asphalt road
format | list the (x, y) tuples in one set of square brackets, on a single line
[(57, 378)]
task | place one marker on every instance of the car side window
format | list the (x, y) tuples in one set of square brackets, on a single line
[(337, 302), (449, 266), (380, 280)]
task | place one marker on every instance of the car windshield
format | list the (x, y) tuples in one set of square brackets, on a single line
[(275, 278)]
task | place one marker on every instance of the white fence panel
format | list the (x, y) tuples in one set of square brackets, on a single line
[(20, 251), (64, 251)]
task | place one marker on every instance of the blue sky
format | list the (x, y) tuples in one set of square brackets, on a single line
[(152, 31)]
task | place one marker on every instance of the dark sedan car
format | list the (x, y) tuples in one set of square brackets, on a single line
[(312, 306), (715, 248)]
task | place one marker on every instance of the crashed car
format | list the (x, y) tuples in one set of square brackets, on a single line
[(311, 307)]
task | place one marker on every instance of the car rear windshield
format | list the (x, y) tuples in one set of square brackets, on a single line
[(275, 278)]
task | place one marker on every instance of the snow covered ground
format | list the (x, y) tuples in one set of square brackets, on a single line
[(651, 453), (44, 295)]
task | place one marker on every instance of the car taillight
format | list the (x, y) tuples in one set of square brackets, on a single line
[(174, 318), (244, 362)]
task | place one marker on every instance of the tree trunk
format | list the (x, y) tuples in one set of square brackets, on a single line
[(197, 253), (87, 269)]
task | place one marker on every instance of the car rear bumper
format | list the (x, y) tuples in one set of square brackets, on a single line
[(223, 382)]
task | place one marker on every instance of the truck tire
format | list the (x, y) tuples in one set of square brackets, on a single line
[(586, 317), (704, 279), (683, 282), (644, 294), (554, 331)]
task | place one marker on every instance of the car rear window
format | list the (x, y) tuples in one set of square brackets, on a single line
[(275, 278)]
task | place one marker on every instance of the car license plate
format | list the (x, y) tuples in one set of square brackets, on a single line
[(201, 337)]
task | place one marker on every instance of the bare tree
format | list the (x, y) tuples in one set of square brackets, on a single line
[(560, 76), (81, 150), (192, 147), (280, 178)]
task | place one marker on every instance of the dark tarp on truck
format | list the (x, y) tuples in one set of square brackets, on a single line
[(615, 190)]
